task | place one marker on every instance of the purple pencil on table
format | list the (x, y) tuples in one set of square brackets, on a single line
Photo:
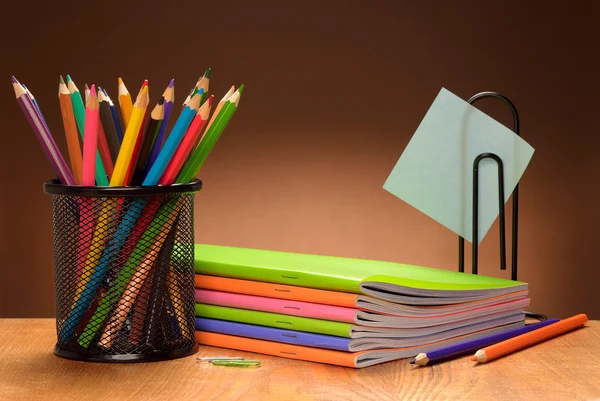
[(43, 134), (468, 347)]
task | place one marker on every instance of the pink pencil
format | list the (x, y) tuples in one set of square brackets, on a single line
[(90, 138), (186, 144), (90, 144)]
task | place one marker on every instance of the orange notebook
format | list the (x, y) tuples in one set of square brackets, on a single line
[(357, 301), (350, 359)]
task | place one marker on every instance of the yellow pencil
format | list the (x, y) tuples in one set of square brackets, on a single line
[(125, 102), (130, 138)]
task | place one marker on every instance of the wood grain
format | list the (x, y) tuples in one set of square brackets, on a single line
[(564, 368)]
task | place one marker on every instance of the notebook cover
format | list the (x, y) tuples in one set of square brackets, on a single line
[(290, 292), (362, 302), (274, 320), (272, 334), (335, 273), (274, 305)]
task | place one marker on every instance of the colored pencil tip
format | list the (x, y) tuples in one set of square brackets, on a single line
[(474, 358), (145, 84), (69, 78), (86, 87), (210, 100), (104, 91), (119, 80), (413, 361), (14, 80), (172, 83), (240, 89), (207, 73), (61, 80), (93, 90)]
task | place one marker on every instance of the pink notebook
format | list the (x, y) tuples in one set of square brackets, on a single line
[(285, 307)]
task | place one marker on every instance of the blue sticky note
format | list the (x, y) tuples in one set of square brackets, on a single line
[(435, 171)]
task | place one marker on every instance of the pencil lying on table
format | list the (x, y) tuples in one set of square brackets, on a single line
[(467, 347), (525, 340)]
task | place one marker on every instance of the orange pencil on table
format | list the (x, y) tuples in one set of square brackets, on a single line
[(525, 340), (184, 148), (68, 117)]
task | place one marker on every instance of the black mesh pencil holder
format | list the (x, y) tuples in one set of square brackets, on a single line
[(124, 271)]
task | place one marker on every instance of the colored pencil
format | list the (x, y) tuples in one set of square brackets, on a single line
[(169, 96), (43, 135), (79, 111), (68, 118), (192, 134), (125, 103), (214, 115), (203, 84), (220, 106), (468, 347), (86, 91), (138, 143), (192, 167), (525, 340), (152, 241), (90, 138), (115, 115), (130, 138), (156, 118), (35, 103), (171, 144), (103, 147), (108, 123)]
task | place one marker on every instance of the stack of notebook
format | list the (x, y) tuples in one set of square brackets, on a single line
[(342, 311)]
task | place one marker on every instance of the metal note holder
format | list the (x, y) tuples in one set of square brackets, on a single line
[(501, 214)]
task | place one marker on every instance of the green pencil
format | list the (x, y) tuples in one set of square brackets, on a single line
[(191, 168), (79, 111)]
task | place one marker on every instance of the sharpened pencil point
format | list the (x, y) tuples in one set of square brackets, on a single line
[(61, 80), (241, 89), (171, 84), (474, 358), (14, 80), (120, 80), (207, 73), (69, 78), (210, 100), (413, 361), (145, 84)]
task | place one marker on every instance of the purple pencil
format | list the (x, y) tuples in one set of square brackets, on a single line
[(169, 96), (43, 134), (468, 347)]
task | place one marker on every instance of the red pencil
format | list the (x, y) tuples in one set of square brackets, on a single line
[(186, 144), (90, 138)]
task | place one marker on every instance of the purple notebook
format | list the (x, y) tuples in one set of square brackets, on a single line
[(272, 334)]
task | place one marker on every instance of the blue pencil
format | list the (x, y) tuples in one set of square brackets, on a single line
[(468, 347), (166, 153)]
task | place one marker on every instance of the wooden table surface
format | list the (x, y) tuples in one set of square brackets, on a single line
[(565, 368)]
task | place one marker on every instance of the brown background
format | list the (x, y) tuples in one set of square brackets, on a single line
[(334, 91)]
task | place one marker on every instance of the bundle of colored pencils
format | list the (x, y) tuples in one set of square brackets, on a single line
[(119, 243), (131, 144)]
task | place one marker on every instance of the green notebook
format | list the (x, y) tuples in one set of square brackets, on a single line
[(385, 280)]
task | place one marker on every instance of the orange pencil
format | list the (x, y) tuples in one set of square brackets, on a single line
[(68, 117), (525, 340), (185, 146)]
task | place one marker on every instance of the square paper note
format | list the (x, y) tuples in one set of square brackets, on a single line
[(435, 172)]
